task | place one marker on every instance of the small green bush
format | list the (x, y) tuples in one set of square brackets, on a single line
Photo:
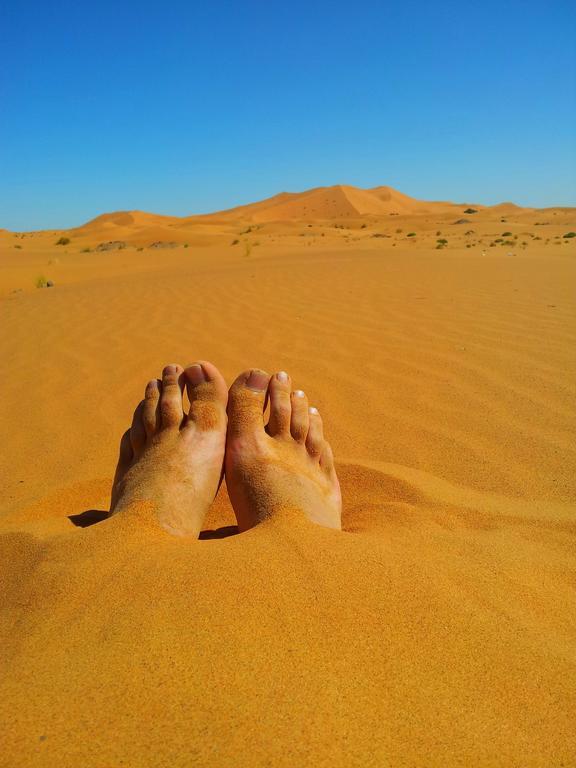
[(63, 241), (506, 234), (41, 282), (569, 235), (442, 241), (470, 210), (411, 234)]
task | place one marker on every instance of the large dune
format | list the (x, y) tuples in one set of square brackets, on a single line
[(438, 629)]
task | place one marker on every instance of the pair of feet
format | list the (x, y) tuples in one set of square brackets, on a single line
[(175, 461)]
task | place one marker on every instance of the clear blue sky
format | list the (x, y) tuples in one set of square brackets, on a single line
[(184, 107)]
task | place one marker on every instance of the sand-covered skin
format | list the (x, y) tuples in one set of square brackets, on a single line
[(437, 630)]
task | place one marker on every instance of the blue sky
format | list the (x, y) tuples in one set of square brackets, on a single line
[(188, 107)]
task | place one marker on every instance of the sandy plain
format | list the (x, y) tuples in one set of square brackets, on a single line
[(438, 629)]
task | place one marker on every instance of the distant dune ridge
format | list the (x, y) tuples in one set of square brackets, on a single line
[(341, 201), (335, 202)]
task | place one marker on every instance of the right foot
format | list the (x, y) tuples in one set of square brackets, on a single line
[(284, 468), (170, 460)]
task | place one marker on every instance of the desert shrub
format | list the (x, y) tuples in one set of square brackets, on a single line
[(411, 234), (63, 241), (41, 281), (86, 250), (508, 242), (438, 233), (19, 247), (362, 227), (439, 247), (470, 210), (506, 234), (234, 242), (442, 241), (499, 240), (186, 245), (569, 235)]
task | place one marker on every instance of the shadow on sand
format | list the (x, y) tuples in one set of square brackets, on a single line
[(93, 516)]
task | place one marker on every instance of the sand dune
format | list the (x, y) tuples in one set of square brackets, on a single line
[(437, 630)]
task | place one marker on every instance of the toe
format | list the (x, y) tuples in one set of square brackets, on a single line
[(315, 437), (300, 419), (150, 409), (280, 407), (137, 431), (171, 413), (246, 401), (208, 394)]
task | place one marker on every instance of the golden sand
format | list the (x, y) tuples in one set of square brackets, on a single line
[(437, 630)]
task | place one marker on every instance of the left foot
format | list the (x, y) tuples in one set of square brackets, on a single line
[(170, 459), (284, 468)]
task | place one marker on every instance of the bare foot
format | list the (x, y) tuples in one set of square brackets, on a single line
[(284, 468), (172, 460)]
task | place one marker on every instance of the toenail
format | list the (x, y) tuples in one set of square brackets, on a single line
[(313, 411), (196, 374), (298, 393), (258, 380), (282, 376), (152, 385), (169, 370)]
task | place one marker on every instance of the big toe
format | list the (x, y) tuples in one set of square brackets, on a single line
[(246, 402), (207, 393)]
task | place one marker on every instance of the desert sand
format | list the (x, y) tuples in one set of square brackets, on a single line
[(437, 629)]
